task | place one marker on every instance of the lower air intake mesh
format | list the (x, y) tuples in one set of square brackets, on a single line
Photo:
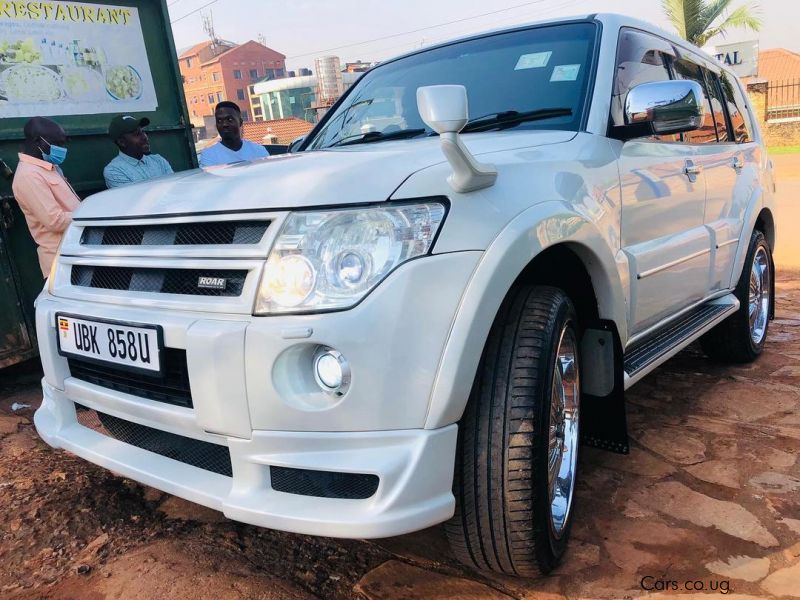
[(203, 455), (225, 282), (323, 484)]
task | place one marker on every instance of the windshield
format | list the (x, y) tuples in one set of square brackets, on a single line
[(522, 71)]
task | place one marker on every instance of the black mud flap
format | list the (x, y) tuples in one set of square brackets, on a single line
[(772, 288), (603, 422)]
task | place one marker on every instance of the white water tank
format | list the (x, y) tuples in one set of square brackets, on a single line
[(329, 77)]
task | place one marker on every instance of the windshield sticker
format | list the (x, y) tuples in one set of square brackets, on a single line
[(565, 73), (536, 60)]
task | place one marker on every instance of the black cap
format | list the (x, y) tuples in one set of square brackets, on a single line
[(122, 124)]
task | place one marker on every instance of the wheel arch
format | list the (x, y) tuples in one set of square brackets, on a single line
[(533, 248), (765, 223)]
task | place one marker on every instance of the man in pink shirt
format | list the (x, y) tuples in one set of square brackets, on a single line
[(44, 195)]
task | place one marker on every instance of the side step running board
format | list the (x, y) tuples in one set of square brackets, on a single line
[(664, 343)]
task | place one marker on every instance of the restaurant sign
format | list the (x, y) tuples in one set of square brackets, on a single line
[(72, 58)]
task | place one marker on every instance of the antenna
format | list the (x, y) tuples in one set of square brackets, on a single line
[(208, 27), (262, 39)]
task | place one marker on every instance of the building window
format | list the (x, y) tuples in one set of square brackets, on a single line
[(188, 63), (211, 98), (220, 97), (257, 111), (240, 94), (244, 116), (253, 73), (280, 73), (252, 90), (215, 76), (237, 74)]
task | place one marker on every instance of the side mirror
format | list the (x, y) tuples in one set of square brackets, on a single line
[(444, 109), (666, 106), (296, 143)]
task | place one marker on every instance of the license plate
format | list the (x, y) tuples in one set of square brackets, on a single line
[(130, 345)]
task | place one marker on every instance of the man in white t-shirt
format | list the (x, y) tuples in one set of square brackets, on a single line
[(231, 148)]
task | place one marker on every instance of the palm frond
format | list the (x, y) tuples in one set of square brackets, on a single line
[(674, 10), (698, 20), (715, 9), (743, 17), (746, 17)]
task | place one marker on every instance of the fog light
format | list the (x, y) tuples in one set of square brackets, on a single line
[(331, 371)]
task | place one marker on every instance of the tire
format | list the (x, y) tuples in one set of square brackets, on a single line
[(504, 519), (740, 339)]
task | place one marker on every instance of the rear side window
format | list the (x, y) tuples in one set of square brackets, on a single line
[(717, 107), (736, 109), (707, 134)]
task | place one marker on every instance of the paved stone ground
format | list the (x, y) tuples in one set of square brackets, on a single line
[(708, 502)]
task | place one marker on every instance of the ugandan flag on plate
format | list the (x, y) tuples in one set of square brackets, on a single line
[(63, 326)]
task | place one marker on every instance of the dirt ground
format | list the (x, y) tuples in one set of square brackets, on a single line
[(708, 502)]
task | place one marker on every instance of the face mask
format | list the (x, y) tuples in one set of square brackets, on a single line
[(57, 154)]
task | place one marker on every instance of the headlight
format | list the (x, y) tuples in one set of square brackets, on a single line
[(328, 260)]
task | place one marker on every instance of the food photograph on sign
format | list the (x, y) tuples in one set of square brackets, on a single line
[(72, 58)]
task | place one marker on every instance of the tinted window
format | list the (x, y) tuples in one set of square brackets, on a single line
[(717, 107), (685, 69), (528, 70), (736, 108), (641, 58), (637, 62)]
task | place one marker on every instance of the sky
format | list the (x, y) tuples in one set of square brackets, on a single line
[(374, 30)]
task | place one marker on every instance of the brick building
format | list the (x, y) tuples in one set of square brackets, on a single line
[(213, 72)]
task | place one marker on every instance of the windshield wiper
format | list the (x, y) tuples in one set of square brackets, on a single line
[(376, 136), (511, 118)]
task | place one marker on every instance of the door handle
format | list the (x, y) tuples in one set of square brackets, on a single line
[(737, 163), (691, 169)]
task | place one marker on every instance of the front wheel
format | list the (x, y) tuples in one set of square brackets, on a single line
[(517, 454), (740, 338)]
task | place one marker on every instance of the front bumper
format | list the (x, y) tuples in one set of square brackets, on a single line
[(252, 393), (415, 468)]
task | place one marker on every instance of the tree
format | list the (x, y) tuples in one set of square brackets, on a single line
[(697, 21)]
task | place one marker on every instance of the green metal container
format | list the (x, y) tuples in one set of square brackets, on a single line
[(90, 150)]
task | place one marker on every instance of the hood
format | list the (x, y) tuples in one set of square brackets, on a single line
[(357, 174)]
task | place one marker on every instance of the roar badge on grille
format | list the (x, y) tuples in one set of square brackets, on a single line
[(211, 283)]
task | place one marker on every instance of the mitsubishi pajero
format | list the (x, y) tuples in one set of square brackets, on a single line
[(419, 314)]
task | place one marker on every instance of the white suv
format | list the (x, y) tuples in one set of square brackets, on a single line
[(413, 318)]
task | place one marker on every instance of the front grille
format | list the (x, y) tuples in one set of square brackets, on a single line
[(164, 281), (197, 453), (183, 234), (323, 484), (171, 388)]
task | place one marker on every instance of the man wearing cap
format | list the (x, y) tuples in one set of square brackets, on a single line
[(134, 162), (231, 147)]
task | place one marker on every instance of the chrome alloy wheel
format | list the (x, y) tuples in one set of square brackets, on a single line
[(759, 297), (562, 454)]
